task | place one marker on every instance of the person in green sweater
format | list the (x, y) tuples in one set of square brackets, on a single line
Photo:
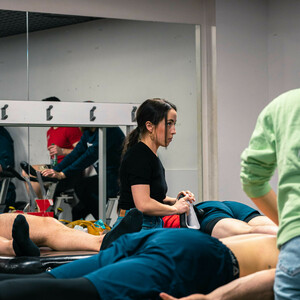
[(275, 142)]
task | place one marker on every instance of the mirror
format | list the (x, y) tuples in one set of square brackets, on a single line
[(110, 60), (13, 77), (13, 55)]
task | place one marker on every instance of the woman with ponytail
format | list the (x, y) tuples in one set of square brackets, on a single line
[(142, 175)]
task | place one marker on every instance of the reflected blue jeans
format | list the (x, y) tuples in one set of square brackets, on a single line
[(149, 222), (287, 279)]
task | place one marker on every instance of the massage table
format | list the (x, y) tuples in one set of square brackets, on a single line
[(48, 260)]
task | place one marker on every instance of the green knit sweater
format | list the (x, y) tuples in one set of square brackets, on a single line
[(276, 142)]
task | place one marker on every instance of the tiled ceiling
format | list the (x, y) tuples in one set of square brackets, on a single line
[(14, 22)]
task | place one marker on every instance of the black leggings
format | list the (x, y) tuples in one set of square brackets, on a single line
[(16, 287)]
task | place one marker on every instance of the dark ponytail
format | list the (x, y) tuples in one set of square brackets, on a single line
[(132, 138)]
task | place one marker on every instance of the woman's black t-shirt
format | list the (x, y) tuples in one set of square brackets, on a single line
[(141, 166)]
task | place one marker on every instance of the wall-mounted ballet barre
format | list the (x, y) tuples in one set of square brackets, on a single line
[(41, 113), (77, 114)]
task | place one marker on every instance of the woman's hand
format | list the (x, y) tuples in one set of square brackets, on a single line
[(188, 196), (53, 174), (182, 206), (165, 296), (184, 199)]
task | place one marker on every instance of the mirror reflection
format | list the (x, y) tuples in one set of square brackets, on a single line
[(13, 86), (109, 60)]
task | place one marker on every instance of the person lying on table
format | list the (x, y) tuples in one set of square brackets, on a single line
[(141, 265), (21, 234), (227, 218)]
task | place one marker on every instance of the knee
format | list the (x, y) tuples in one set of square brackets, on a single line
[(49, 221)]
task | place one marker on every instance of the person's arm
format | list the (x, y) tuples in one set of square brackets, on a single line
[(53, 174), (258, 163), (56, 150), (75, 156), (72, 157), (258, 286), (151, 207), (69, 136), (89, 157), (170, 201), (79, 159), (268, 205)]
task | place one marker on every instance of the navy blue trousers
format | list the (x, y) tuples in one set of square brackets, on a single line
[(215, 211)]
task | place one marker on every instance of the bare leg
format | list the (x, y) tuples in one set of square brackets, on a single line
[(20, 244), (6, 247), (46, 231), (35, 185), (229, 227)]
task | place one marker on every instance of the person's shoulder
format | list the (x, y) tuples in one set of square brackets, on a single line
[(3, 130), (132, 151), (85, 135), (50, 129), (5, 134), (92, 137), (289, 98), (282, 106), (139, 148), (138, 153)]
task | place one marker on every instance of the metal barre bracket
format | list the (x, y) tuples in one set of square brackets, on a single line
[(4, 116), (134, 108), (92, 116), (100, 114), (49, 117)]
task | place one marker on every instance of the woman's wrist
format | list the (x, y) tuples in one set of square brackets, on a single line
[(175, 210)]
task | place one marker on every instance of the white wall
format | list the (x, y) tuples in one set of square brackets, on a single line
[(283, 46), (258, 46), (113, 61), (241, 85)]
